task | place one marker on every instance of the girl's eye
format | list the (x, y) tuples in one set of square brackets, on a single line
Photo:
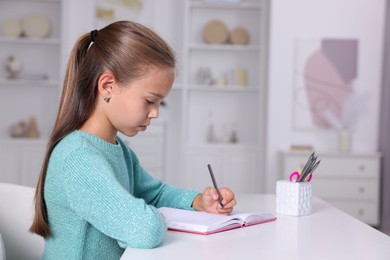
[(149, 102)]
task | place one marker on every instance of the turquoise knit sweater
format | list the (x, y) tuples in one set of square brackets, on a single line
[(100, 200)]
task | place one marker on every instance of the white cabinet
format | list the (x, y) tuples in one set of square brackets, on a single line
[(213, 96), (236, 168), (21, 161), (350, 182)]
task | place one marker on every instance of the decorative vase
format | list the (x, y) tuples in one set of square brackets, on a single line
[(344, 141), (13, 66)]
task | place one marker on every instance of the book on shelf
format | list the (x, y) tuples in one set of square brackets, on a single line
[(301, 148), (200, 222)]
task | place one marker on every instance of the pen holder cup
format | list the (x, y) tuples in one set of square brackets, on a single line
[(293, 198)]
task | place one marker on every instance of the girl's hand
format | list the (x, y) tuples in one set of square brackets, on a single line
[(208, 201)]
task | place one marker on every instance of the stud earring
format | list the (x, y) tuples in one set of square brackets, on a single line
[(107, 99)]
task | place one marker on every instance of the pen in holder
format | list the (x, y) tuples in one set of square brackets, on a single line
[(293, 198)]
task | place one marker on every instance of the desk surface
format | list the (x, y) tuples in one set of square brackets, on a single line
[(327, 233)]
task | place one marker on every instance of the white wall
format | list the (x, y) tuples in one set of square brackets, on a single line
[(360, 19), (78, 19)]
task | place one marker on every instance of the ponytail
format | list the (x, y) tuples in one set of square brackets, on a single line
[(63, 125)]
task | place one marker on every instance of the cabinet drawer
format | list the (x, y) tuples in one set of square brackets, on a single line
[(367, 211), (349, 167), (356, 167), (345, 188)]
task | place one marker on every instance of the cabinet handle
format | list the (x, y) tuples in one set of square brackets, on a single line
[(362, 167), (362, 189)]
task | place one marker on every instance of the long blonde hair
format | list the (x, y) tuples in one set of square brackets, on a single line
[(126, 49)]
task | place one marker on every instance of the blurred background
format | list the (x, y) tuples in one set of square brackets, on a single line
[(261, 84)]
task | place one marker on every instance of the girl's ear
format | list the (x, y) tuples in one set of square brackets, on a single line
[(105, 83)]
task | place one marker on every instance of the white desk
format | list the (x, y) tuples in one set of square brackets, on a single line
[(327, 233)]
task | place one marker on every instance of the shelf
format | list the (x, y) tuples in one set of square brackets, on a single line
[(223, 47), (234, 111), (224, 4), (24, 82), (24, 40)]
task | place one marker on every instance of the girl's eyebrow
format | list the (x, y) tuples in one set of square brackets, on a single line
[(156, 94)]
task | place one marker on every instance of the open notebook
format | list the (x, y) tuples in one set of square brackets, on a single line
[(206, 223)]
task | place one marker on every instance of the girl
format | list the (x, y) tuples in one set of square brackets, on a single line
[(93, 198)]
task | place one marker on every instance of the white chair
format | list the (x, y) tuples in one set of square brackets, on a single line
[(2, 249), (16, 214)]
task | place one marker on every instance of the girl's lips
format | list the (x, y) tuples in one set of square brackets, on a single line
[(143, 127)]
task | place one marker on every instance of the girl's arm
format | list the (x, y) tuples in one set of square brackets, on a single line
[(96, 196), (156, 193)]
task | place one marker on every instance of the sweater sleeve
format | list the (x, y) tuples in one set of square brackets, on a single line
[(94, 194), (156, 193)]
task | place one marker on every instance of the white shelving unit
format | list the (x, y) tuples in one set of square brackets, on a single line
[(40, 58), (34, 93), (229, 107)]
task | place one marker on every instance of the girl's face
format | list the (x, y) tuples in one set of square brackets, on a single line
[(131, 107)]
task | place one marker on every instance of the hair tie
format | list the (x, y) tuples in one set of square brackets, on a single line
[(93, 35)]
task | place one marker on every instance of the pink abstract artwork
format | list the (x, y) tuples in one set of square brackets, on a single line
[(326, 71)]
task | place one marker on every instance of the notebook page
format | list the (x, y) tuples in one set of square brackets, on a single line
[(196, 220), (254, 217)]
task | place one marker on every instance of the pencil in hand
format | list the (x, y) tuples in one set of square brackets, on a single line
[(215, 185)]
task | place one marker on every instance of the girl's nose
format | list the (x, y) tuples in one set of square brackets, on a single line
[(154, 113)]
